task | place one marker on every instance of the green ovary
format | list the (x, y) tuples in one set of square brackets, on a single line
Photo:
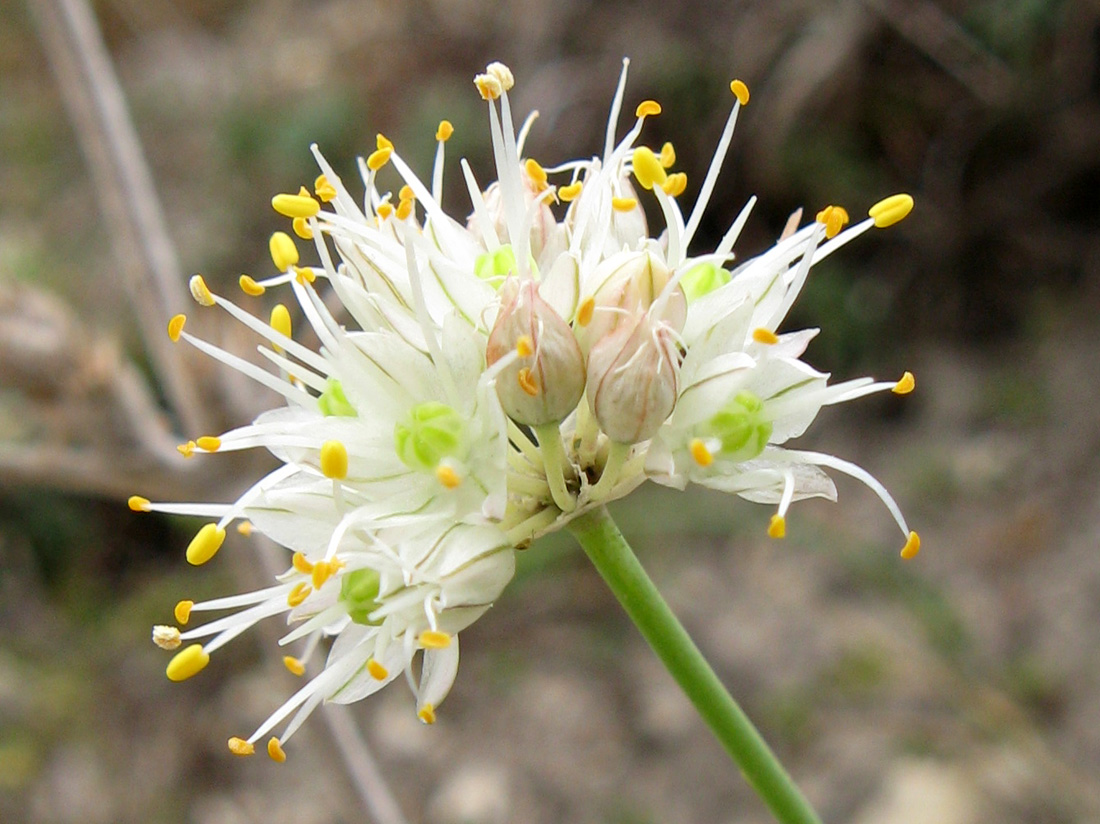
[(333, 401), (703, 279), (742, 427), (495, 266), (433, 431), (359, 594)]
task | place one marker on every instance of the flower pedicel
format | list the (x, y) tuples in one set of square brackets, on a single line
[(485, 381)]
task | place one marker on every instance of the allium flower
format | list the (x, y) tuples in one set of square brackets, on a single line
[(481, 382)]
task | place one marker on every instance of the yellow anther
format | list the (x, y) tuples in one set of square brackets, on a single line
[(585, 311), (295, 205), (280, 319), (623, 204), (777, 527), (740, 91), (175, 327), (294, 666), (447, 476), (379, 158), (275, 751), (382, 142), (647, 108), (238, 746), (667, 156), (536, 173), (166, 637), (299, 562), (889, 211), (284, 253), (527, 382), (200, 291), (322, 571), (488, 86), (304, 274), (444, 132), (377, 671), (209, 443), (188, 662), (906, 384), (570, 192), (765, 336), (325, 191), (301, 228), (675, 185), (251, 287), (404, 209), (406, 193), (647, 168), (298, 593), (244, 528), (138, 503), (912, 546), (434, 639), (182, 612), (205, 544), (834, 218), (525, 347), (334, 460), (187, 449), (699, 452), (385, 210), (427, 714)]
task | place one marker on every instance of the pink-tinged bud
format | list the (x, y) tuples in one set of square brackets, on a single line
[(633, 377), (546, 380), (629, 284)]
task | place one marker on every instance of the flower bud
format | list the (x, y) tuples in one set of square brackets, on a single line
[(633, 377), (546, 379)]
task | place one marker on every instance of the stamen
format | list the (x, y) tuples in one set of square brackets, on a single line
[(444, 132), (187, 663), (292, 206), (777, 527), (834, 219), (447, 476), (187, 449), (527, 382), (383, 142), (209, 443), (205, 544), (404, 209), (301, 228), (304, 274), (334, 460), (182, 612), (280, 320), (740, 91), (323, 570), (427, 714), (912, 546), (765, 336), (244, 528), (199, 291), (326, 192), (700, 453), (502, 73), (889, 211), (488, 86), (299, 562), (166, 637), (536, 173), (284, 253), (275, 751), (377, 671), (585, 311), (385, 209), (238, 746), (623, 204), (379, 158), (667, 156), (675, 185), (251, 287), (525, 347), (138, 503), (298, 593), (906, 384), (175, 327), (570, 192), (294, 666), (647, 168), (434, 639), (647, 108)]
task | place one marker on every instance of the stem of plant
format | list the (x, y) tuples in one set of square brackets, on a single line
[(612, 556)]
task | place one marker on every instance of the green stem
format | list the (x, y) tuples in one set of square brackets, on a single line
[(611, 554), (555, 462)]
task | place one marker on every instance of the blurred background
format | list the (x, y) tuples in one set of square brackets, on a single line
[(958, 688)]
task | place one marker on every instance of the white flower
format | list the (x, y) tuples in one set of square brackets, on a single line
[(481, 382)]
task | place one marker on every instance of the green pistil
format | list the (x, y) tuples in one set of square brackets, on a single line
[(703, 279), (495, 266), (433, 431), (359, 594), (742, 427), (333, 401)]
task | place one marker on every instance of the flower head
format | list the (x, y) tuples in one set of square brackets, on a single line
[(479, 382)]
